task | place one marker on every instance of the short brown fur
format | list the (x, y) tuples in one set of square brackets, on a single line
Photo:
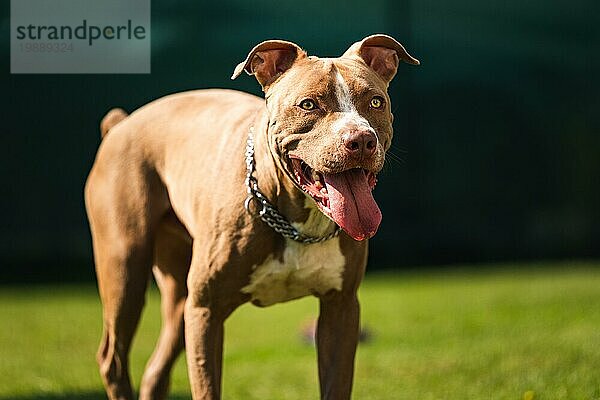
[(166, 195)]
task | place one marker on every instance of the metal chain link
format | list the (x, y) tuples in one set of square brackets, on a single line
[(268, 213)]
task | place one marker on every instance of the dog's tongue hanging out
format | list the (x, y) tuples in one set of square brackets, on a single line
[(352, 204)]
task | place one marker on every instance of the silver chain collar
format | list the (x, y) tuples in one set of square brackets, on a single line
[(268, 213)]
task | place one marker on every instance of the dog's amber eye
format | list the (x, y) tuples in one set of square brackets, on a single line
[(376, 102), (308, 104)]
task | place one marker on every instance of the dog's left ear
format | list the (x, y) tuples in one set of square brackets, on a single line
[(382, 53), (268, 60)]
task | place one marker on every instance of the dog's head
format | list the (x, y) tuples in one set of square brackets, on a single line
[(330, 122)]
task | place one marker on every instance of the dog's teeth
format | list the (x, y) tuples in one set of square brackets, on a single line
[(315, 176)]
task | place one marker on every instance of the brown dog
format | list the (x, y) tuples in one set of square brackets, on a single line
[(228, 198)]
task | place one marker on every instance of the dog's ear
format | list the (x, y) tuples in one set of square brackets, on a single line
[(382, 53), (268, 60)]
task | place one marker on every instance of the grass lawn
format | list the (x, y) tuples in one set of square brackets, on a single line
[(518, 332)]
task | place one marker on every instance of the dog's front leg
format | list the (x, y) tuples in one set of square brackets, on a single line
[(204, 318), (337, 338), (204, 350)]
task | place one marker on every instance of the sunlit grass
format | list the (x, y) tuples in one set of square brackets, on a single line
[(501, 333)]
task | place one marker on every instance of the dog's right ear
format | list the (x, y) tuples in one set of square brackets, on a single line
[(268, 60)]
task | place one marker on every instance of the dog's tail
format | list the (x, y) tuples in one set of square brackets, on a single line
[(112, 118)]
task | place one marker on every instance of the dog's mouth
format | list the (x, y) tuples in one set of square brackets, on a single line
[(345, 197)]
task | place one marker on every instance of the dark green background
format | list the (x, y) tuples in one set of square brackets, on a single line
[(497, 133)]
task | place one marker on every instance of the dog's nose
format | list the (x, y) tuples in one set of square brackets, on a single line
[(360, 143)]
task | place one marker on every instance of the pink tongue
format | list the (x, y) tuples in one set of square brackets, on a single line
[(352, 205)]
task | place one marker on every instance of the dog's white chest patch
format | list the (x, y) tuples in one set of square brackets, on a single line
[(304, 269)]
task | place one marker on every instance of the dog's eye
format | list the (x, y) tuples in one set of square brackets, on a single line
[(308, 104), (376, 102)]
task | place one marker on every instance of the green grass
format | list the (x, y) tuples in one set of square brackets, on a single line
[(453, 334)]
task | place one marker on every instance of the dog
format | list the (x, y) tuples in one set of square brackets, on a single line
[(227, 198)]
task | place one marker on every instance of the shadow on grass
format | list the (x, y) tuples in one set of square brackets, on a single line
[(76, 396)]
